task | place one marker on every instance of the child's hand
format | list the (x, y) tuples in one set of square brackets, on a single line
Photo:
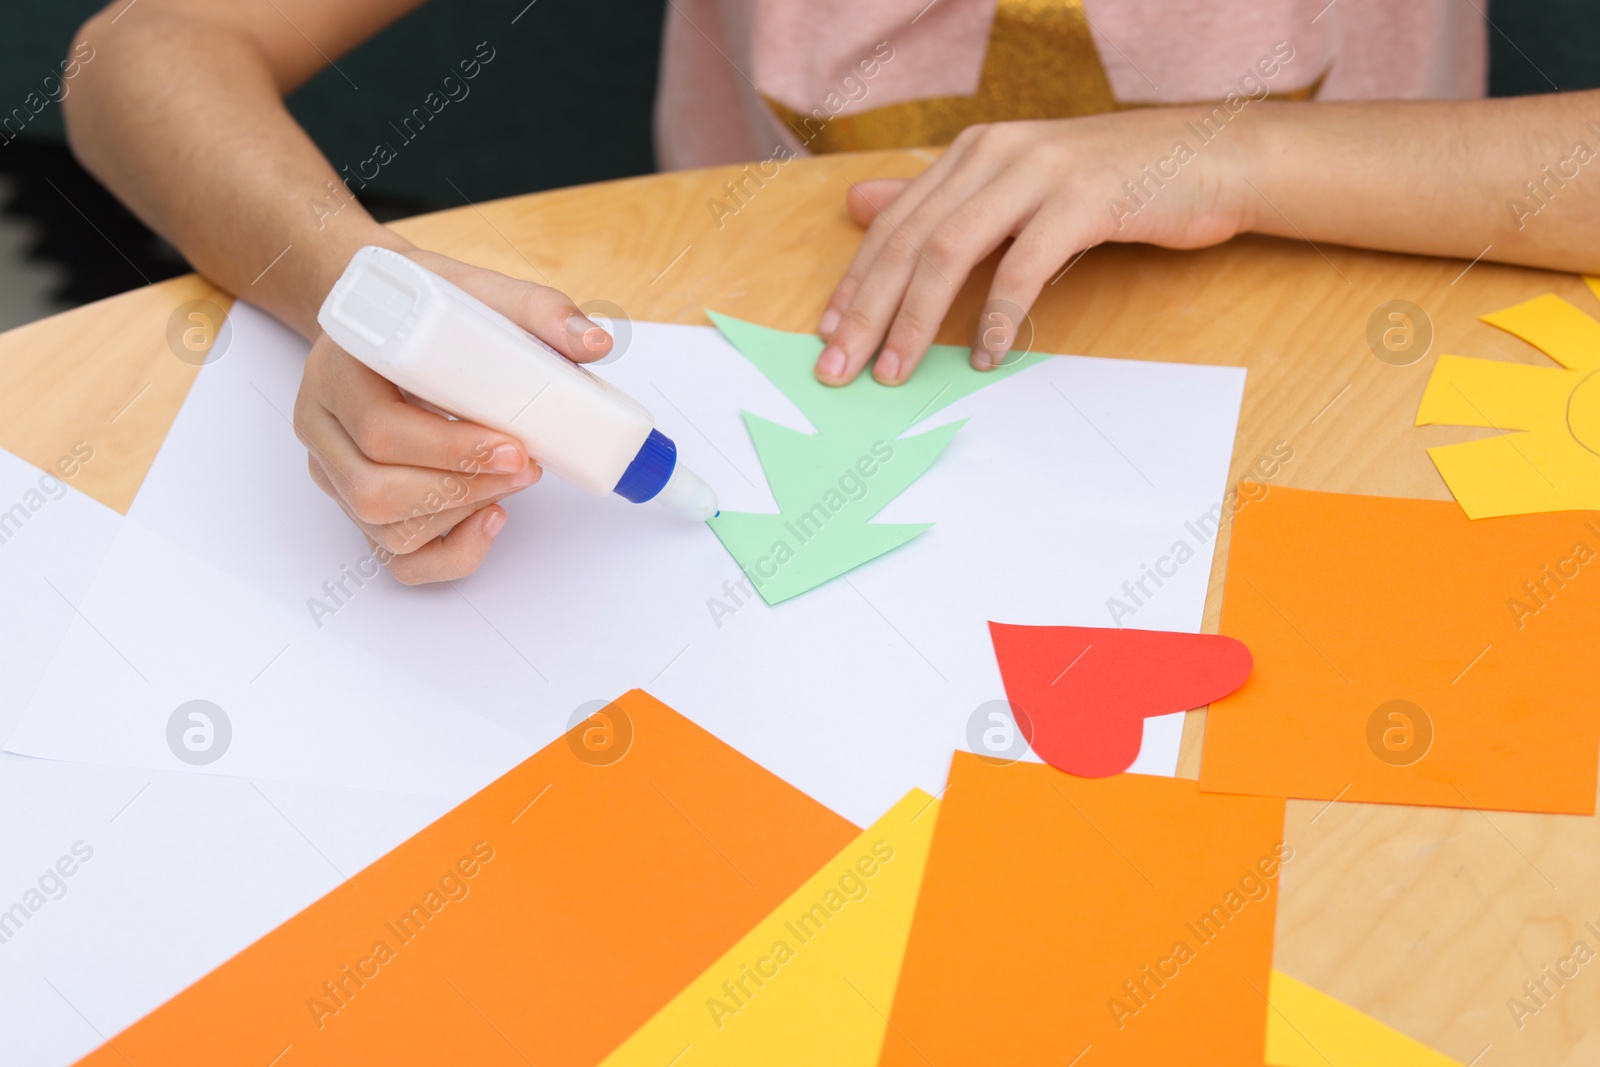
[(1054, 186), (423, 488)]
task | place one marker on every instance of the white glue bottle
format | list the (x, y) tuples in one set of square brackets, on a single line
[(446, 347)]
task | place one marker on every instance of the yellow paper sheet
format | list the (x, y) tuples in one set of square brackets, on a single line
[(1308, 1028), (814, 981), (1547, 457)]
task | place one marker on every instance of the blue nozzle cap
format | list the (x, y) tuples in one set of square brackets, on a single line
[(650, 469)]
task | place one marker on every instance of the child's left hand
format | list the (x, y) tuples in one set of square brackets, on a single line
[(1051, 185)]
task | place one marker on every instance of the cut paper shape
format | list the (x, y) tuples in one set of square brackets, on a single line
[(1408, 655), (829, 484), (543, 920), (1554, 463), (1308, 1028), (1084, 692), (1132, 915), (813, 982)]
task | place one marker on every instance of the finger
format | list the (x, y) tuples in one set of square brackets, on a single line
[(883, 281), (387, 429), (879, 205), (548, 314), (405, 535), (867, 200), (413, 534), (862, 328), (456, 555), (1050, 239), (382, 493), (886, 214), (970, 233), (874, 305)]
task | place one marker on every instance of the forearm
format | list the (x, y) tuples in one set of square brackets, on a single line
[(1443, 178), (183, 119)]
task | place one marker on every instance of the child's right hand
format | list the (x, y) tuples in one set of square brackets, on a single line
[(423, 488)]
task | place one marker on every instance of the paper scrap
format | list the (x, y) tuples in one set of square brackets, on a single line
[(1308, 1028), (543, 920), (829, 484), (813, 982), (1553, 462), (1081, 694), (1408, 655), (1130, 915)]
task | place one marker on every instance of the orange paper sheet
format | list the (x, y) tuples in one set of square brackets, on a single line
[(1405, 654), (1105, 921), (542, 921)]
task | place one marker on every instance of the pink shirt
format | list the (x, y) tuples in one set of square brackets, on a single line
[(745, 79)]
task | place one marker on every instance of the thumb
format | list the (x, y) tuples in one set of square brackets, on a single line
[(548, 314), (866, 200)]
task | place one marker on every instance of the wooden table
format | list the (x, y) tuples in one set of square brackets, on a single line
[(1428, 919)]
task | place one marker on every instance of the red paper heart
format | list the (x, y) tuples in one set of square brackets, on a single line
[(1086, 691)]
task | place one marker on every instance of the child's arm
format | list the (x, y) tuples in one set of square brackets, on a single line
[(1506, 180), (177, 106)]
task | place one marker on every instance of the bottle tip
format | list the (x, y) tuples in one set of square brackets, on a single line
[(690, 497)]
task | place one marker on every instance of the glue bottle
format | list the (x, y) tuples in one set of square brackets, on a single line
[(446, 347)]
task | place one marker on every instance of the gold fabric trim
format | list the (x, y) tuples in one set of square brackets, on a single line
[(1041, 64)]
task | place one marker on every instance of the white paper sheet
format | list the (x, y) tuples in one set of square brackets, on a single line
[(1067, 480), (182, 872), (160, 628), (52, 539)]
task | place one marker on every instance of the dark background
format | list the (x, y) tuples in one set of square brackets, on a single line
[(566, 100)]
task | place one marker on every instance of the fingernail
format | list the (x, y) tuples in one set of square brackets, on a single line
[(888, 369), (493, 523), (830, 322), (529, 475), (831, 362), (507, 459), (590, 334)]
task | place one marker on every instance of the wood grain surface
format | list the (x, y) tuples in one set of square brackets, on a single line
[(1429, 920)]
